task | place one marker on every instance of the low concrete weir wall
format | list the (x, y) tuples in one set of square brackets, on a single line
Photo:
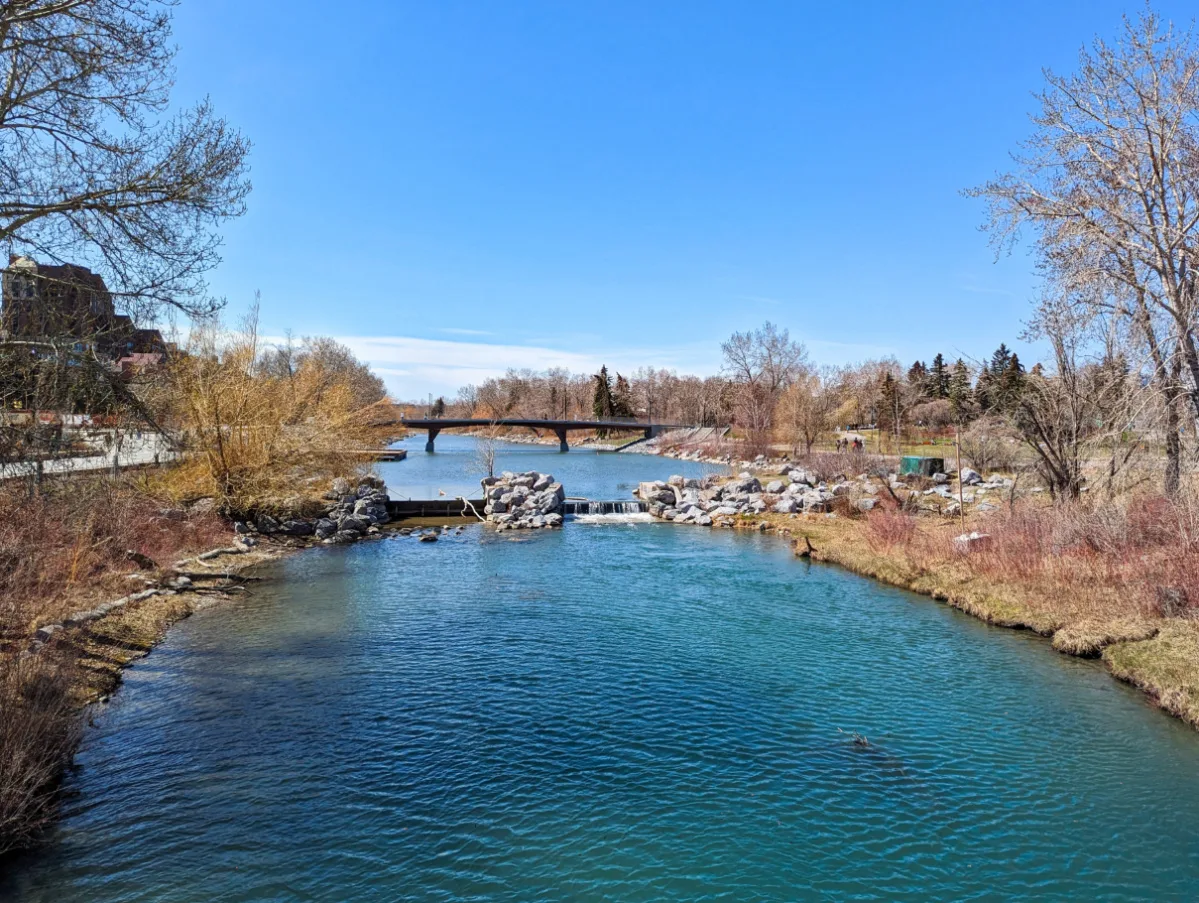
[(399, 509)]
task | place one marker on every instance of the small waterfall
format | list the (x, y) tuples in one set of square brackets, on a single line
[(602, 511)]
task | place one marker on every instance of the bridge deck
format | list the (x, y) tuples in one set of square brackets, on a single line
[(560, 427)]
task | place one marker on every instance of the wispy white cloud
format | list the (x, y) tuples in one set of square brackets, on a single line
[(451, 330), (415, 367)]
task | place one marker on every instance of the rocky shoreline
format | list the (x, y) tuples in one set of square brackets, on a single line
[(716, 501)]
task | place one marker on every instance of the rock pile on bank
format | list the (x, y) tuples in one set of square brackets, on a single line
[(517, 501), (704, 502), (357, 511), (719, 500)]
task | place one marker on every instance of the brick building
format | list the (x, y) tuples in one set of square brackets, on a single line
[(67, 301)]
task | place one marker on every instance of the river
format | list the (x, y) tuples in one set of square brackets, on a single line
[(610, 711)]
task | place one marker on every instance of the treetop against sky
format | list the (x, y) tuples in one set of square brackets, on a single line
[(456, 188)]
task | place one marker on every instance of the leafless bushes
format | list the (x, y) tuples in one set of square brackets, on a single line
[(70, 542), (255, 432), (1136, 557), (39, 733), (988, 445), (827, 466), (889, 529)]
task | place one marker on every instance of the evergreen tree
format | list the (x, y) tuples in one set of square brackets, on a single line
[(989, 390), (1000, 360), (601, 399), (918, 376), (1009, 386), (961, 395), (937, 383), (890, 414), (622, 398)]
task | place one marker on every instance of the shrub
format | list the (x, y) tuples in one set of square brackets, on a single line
[(989, 444), (888, 529), (39, 733)]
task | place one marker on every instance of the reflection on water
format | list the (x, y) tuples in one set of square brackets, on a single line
[(624, 712)]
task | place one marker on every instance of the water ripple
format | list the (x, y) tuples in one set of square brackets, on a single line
[(615, 713)]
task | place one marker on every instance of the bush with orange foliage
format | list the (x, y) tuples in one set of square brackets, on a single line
[(254, 438)]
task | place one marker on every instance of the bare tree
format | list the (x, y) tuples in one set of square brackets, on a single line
[(806, 410), (761, 364), (1067, 416), (89, 171), (1110, 182)]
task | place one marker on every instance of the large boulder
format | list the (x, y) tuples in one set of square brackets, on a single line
[(527, 500), (970, 477), (296, 528)]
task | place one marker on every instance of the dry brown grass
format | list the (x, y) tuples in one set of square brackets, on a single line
[(62, 550), (68, 545)]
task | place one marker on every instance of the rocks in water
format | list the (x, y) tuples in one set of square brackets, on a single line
[(355, 523), (524, 501), (428, 537), (324, 528), (656, 492)]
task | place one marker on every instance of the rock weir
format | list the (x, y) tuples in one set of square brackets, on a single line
[(523, 501)]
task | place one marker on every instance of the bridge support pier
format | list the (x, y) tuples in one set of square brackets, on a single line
[(432, 435), (562, 446)]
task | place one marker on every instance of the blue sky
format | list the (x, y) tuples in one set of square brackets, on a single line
[(454, 188)]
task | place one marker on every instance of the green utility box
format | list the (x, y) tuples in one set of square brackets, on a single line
[(925, 467)]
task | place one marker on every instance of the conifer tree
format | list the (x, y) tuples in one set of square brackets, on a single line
[(601, 399), (1009, 385), (918, 376), (961, 395), (622, 398), (938, 378), (890, 417)]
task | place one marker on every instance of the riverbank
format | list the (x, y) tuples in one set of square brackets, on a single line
[(1111, 582), (98, 570)]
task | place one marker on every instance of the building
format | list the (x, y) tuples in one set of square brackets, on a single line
[(67, 301)]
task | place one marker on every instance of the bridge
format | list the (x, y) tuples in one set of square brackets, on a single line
[(560, 427)]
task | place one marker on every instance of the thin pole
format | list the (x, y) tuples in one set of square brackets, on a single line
[(957, 441)]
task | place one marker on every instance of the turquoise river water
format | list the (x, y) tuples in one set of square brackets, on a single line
[(616, 712)]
